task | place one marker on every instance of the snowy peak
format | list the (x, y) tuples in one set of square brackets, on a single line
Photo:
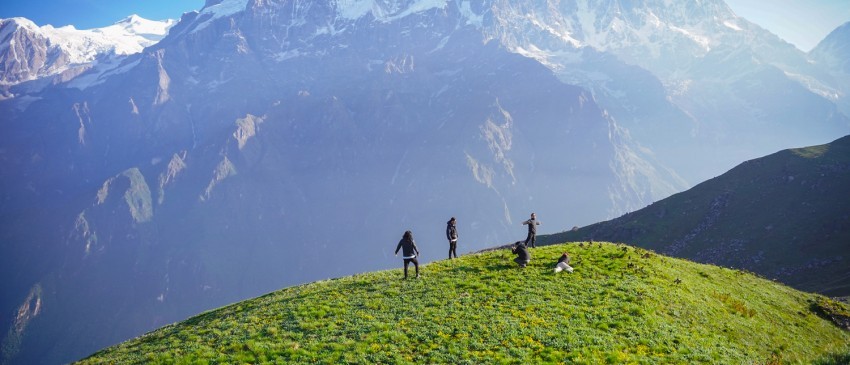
[(29, 52), (660, 35), (212, 10), (125, 37), (628, 25), (221, 8), (346, 10), (678, 42), (150, 29), (385, 10), (14, 23), (834, 50)]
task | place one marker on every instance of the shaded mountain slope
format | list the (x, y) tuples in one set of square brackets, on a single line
[(785, 216), (622, 304)]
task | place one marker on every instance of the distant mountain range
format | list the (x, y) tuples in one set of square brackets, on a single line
[(680, 74), (261, 144), (785, 216), (29, 52)]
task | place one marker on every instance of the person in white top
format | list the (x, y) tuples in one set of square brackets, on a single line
[(563, 263)]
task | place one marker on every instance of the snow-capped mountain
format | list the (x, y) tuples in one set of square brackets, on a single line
[(833, 55), (29, 52), (702, 75), (665, 37), (263, 143), (833, 52)]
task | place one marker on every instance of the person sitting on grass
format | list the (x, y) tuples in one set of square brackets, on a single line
[(409, 252), (563, 263), (522, 256)]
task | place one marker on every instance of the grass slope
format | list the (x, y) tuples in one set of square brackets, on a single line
[(784, 216), (481, 308)]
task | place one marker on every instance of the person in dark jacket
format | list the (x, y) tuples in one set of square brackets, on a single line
[(451, 234), (563, 263), (409, 252), (522, 256), (532, 230)]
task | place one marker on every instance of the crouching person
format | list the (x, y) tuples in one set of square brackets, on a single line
[(522, 256), (563, 263)]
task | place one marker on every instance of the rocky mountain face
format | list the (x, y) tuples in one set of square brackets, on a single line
[(264, 143), (784, 216), (681, 74), (833, 49)]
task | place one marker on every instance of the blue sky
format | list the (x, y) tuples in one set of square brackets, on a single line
[(800, 22), (87, 14)]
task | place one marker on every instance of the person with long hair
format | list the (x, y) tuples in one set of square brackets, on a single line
[(409, 252), (451, 234), (563, 263)]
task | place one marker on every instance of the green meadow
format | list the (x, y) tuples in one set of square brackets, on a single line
[(622, 305)]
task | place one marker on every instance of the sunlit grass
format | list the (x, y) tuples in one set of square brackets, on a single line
[(621, 305)]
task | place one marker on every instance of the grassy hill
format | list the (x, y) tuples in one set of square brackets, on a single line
[(621, 305), (784, 216)]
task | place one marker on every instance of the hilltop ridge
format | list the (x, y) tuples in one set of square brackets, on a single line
[(622, 304), (785, 216)]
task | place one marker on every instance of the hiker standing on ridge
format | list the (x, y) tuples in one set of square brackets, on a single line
[(532, 230), (451, 234), (409, 252)]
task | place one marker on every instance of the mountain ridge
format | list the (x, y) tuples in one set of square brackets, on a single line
[(783, 216), (832, 52), (30, 52)]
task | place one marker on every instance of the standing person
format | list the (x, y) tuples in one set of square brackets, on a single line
[(563, 263), (532, 230), (409, 252), (522, 255), (451, 234)]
